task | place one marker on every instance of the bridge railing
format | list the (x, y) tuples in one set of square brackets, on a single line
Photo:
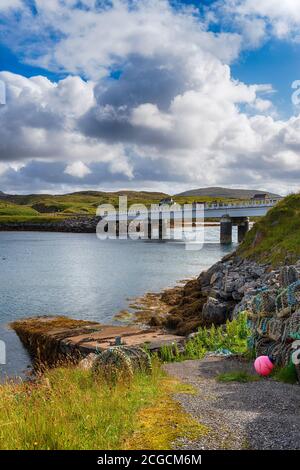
[(242, 204), (247, 204)]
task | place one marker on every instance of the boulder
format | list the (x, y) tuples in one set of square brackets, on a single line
[(215, 277), (214, 312)]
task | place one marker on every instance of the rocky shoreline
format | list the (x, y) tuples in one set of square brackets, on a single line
[(78, 224), (212, 298), (270, 296)]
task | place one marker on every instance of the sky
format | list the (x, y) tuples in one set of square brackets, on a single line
[(163, 95)]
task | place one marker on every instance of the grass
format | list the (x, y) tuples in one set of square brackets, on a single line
[(286, 374), (237, 376), (275, 237), (165, 421), (45, 206), (68, 409), (9, 209), (81, 203), (233, 337)]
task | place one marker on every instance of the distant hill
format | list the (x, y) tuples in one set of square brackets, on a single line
[(33, 206), (229, 193), (65, 205)]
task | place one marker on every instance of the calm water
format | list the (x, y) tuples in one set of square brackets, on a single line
[(82, 277)]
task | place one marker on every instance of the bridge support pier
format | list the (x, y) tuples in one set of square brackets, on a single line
[(150, 224), (226, 224), (225, 230), (163, 226), (243, 228), (149, 228), (160, 226)]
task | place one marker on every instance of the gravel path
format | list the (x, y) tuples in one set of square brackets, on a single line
[(254, 415)]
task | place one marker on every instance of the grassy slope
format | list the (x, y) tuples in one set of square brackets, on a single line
[(46, 208), (10, 209), (68, 409), (41, 207), (275, 237)]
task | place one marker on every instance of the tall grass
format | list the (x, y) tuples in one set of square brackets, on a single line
[(286, 374), (70, 410), (277, 235), (232, 336)]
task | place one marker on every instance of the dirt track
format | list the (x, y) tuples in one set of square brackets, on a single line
[(255, 415)]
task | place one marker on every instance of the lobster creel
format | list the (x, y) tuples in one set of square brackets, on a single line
[(121, 362)]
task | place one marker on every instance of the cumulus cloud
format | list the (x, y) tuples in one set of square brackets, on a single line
[(39, 122), (77, 169), (6, 5), (256, 20), (155, 104), (89, 37)]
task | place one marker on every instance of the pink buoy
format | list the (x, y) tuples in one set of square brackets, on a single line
[(263, 365)]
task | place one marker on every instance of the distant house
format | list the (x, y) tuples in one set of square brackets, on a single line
[(167, 200), (260, 196)]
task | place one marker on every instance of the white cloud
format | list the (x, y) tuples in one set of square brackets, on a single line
[(39, 121), (6, 5), (174, 116), (89, 42), (257, 19), (148, 115), (77, 169)]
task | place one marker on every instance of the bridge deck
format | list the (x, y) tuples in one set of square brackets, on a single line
[(210, 210)]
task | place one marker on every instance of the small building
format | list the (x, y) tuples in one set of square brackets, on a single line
[(167, 200), (260, 196)]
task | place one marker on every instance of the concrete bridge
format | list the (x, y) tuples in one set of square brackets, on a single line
[(164, 217)]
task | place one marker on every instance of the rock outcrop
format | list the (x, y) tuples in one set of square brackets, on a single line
[(224, 290), (78, 224), (271, 298)]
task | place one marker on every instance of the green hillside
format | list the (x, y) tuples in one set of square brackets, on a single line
[(47, 206), (66, 205), (10, 209), (275, 238)]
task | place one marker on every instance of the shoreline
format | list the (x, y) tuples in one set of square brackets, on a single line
[(217, 295), (126, 314), (79, 224)]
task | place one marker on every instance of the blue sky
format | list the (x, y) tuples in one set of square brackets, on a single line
[(9, 60), (275, 62), (150, 104)]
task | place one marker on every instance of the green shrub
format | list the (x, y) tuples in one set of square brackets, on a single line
[(286, 374), (231, 337), (170, 353)]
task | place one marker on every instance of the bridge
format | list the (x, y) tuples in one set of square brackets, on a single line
[(165, 217)]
